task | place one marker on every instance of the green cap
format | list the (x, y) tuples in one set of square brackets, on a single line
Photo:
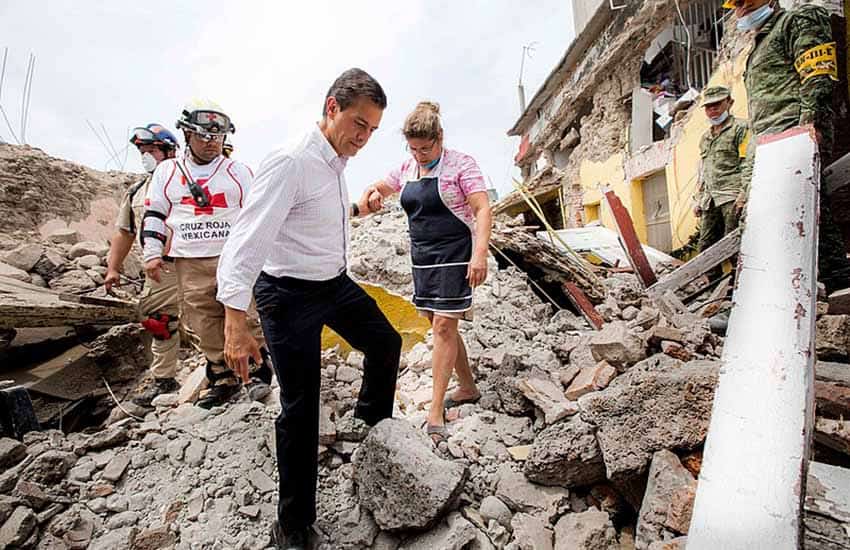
[(715, 94)]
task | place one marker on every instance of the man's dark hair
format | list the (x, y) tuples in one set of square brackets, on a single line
[(352, 84)]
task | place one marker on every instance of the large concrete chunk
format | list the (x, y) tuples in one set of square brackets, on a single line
[(401, 480), (13, 272), (50, 467), (523, 496), (11, 452), (667, 503), (617, 345), (566, 454), (531, 533), (455, 534), (589, 530), (24, 257), (547, 397), (17, 529), (660, 403)]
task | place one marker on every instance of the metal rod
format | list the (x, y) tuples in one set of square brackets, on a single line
[(9, 125), (111, 145), (3, 72), (100, 139)]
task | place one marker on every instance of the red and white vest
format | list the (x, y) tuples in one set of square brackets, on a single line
[(199, 231)]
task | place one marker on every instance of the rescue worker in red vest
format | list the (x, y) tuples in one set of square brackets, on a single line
[(159, 302), (196, 199)]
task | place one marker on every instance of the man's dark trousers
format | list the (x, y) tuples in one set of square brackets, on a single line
[(293, 313)]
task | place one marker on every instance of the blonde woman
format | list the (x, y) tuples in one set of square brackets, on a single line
[(448, 212)]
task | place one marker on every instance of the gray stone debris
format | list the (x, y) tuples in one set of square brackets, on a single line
[(16, 530), (660, 403), (547, 503), (566, 454), (455, 533), (531, 533), (24, 257), (396, 461), (617, 345), (667, 502), (11, 452), (116, 467), (493, 508), (590, 530), (548, 397)]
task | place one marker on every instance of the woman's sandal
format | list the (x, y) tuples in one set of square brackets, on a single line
[(450, 403), (437, 433)]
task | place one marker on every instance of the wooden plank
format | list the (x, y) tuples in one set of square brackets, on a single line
[(827, 507), (710, 258), (580, 301), (555, 266), (47, 310), (629, 240), (757, 449), (834, 434)]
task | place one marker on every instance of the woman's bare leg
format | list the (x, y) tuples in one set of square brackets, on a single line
[(443, 359)]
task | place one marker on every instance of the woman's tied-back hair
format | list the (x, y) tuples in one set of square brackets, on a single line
[(423, 122)]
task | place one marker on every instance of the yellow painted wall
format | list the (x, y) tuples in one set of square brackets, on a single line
[(596, 175), (681, 171), (401, 314)]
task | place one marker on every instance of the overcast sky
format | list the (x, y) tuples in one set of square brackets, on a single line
[(269, 64)]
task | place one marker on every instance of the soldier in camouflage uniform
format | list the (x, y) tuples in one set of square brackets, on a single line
[(723, 149), (789, 79)]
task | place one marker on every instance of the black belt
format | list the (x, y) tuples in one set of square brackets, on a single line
[(168, 259)]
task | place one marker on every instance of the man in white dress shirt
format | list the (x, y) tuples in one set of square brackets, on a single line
[(289, 245)]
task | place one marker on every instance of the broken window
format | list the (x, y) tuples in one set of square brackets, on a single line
[(676, 66)]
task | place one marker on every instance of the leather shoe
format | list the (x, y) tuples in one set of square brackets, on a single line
[(297, 540)]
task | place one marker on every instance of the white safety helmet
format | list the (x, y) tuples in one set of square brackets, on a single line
[(206, 117)]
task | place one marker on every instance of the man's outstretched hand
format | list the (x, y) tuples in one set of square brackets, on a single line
[(239, 345)]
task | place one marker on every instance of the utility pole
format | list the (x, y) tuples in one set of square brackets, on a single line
[(527, 51)]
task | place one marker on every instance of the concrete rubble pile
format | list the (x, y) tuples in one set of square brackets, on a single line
[(582, 439)]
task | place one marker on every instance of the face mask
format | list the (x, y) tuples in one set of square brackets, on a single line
[(754, 20), (430, 165), (718, 120), (148, 162)]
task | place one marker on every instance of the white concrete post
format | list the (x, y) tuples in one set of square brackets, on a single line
[(753, 475)]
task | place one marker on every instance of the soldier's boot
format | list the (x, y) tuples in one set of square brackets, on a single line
[(223, 385), (261, 377), (159, 386)]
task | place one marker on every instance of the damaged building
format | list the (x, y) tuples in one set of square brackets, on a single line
[(620, 111), (600, 374)]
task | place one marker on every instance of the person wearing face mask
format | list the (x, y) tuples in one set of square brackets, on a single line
[(445, 197), (159, 302), (191, 204), (723, 148), (789, 78)]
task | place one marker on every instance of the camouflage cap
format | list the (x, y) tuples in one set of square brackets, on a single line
[(715, 94)]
